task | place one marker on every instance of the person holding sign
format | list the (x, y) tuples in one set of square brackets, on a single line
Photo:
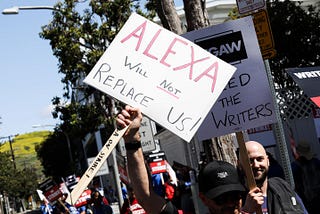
[(273, 195), (220, 188)]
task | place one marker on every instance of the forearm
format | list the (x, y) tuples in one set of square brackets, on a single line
[(138, 175)]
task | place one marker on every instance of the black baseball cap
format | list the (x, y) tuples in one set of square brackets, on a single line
[(217, 178)]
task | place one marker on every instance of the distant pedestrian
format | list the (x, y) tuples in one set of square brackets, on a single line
[(98, 204), (45, 207), (131, 204), (306, 173)]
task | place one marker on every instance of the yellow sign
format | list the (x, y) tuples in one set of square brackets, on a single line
[(264, 34)]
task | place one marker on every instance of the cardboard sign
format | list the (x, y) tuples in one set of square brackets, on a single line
[(173, 81), (246, 101), (96, 165), (309, 80)]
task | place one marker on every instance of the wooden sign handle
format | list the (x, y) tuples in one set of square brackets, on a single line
[(96, 165), (246, 164)]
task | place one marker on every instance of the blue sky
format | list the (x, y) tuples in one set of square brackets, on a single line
[(28, 70)]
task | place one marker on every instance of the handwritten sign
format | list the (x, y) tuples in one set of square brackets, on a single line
[(246, 101), (96, 165), (172, 80)]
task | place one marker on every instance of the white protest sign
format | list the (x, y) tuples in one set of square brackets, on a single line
[(173, 81), (246, 101)]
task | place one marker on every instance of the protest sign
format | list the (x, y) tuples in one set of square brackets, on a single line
[(309, 80), (51, 190), (246, 101), (173, 81)]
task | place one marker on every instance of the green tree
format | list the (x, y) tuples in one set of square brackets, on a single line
[(6, 172), (296, 32), (17, 184), (53, 154), (78, 39)]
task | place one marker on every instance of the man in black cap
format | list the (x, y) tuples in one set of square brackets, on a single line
[(219, 184)]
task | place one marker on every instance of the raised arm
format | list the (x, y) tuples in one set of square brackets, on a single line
[(138, 174)]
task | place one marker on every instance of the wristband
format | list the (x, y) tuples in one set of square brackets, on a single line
[(134, 145)]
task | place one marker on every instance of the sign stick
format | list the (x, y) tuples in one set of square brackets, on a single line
[(96, 165), (246, 163)]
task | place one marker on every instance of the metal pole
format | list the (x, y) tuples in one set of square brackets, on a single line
[(12, 153), (69, 146), (115, 165), (279, 131), (11, 149)]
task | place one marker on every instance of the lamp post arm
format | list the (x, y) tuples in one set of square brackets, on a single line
[(15, 9)]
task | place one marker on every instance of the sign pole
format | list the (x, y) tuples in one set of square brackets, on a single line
[(96, 165), (246, 164), (279, 131)]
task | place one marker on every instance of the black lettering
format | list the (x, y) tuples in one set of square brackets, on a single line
[(244, 79)]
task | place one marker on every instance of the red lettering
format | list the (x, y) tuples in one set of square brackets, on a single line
[(142, 27), (206, 73), (170, 50), (146, 51), (190, 63)]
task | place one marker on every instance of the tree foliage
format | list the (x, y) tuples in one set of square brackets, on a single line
[(53, 154), (16, 183), (78, 39), (296, 32)]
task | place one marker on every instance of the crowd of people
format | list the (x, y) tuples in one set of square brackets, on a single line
[(221, 189), (95, 204)]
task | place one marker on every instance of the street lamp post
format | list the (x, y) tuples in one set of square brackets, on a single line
[(15, 10)]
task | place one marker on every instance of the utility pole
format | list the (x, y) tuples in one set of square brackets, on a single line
[(11, 149)]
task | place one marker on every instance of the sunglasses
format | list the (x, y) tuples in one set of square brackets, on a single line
[(228, 197)]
